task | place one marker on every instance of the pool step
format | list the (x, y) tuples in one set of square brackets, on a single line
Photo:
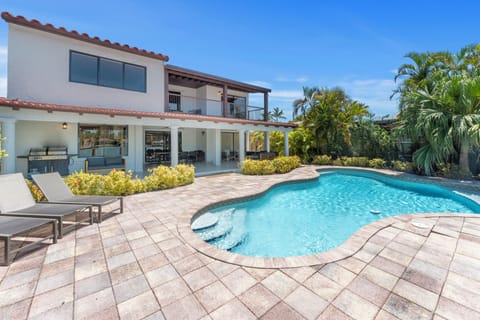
[(205, 221), (237, 233), (221, 228)]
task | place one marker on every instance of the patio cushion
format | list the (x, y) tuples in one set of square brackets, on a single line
[(113, 161), (96, 161)]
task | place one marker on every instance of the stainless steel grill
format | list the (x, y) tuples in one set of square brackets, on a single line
[(48, 159), (50, 153)]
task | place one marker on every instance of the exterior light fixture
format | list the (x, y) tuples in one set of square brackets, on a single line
[(64, 126)]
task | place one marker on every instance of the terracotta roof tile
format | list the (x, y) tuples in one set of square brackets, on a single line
[(35, 24), (21, 104)]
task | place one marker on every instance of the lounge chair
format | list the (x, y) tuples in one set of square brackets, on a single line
[(56, 191), (11, 227), (17, 200)]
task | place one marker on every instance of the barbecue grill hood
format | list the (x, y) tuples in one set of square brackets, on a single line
[(48, 153)]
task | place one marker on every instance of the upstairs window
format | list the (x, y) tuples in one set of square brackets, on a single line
[(89, 69)]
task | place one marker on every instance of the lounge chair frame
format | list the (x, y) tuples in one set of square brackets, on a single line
[(7, 236), (56, 191)]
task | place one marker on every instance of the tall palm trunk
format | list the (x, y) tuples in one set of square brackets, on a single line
[(463, 161)]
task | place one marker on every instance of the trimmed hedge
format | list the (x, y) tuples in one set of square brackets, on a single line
[(120, 183), (265, 167), (376, 163)]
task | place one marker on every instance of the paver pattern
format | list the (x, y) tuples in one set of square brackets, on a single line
[(138, 265)]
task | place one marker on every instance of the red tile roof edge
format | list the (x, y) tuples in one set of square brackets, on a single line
[(35, 24), (17, 104)]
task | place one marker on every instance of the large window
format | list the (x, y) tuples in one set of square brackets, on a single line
[(85, 68), (102, 140)]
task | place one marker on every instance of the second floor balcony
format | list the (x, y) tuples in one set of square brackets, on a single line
[(195, 92), (212, 107)]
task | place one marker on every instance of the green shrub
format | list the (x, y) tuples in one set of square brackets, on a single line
[(285, 164), (322, 160), (356, 161), (377, 163), (120, 183), (163, 177), (451, 171), (264, 167), (338, 162), (404, 166), (257, 167)]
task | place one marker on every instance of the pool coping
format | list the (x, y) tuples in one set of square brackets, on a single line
[(351, 246)]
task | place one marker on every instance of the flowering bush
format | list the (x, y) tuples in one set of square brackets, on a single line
[(264, 167), (120, 183), (322, 160), (377, 163)]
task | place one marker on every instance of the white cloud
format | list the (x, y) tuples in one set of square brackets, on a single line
[(3, 87), (288, 95), (297, 79)]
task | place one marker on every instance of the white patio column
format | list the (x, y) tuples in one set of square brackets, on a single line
[(266, 143), (173, 146), (8, 132), (241, 145), (285, 143), (218, 147), (247, 140)]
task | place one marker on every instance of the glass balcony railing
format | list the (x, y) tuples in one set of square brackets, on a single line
[(210, 107)]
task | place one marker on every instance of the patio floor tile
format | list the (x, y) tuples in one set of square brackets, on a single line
[(187, 308), (232, 310), (130, 288), (139, 306), (306, 303), (259, 299), (405, 309), (238, 281), (331, 312), (91, 285), (213, 296), (369, 291), (324, 287), (280, 284), (95, 304), (281, 311), (51, 299), (199, 278), (355, 306), (171, 291)]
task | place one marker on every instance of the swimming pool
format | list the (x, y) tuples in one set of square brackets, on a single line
[(311, 217)]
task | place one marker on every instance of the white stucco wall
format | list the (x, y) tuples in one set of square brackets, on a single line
[(29, 134), (38, 70)]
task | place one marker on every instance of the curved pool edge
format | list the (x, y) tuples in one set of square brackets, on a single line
[(351, 246)]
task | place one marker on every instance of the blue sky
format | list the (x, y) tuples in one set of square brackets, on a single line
[(282, 45)]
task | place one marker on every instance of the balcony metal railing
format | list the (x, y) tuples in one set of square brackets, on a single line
[(210, 107)]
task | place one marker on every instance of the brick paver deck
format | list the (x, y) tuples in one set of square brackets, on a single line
[(145, 264)]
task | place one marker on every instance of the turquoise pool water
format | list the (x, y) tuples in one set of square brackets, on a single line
[(311, 217)]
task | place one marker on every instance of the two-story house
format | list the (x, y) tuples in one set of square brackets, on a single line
[(99, 98)]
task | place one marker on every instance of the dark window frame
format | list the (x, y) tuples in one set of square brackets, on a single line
[(122, 144), (98, 58)]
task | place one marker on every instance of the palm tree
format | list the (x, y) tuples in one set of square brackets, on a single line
[(302, 105), (448, 120), (332, 116), (276, 114)]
